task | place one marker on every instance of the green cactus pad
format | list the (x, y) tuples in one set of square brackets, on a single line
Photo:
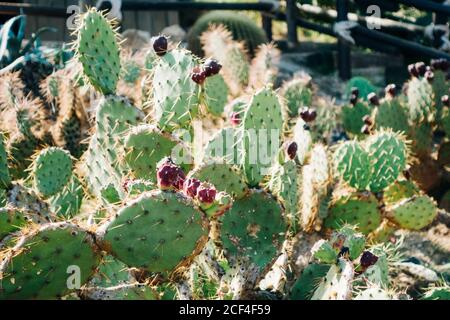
[(353, 164), (262, 124), (226, 145), (379, 272), (41, 265), (67, 202), (11, 220), (224, 177), (145, 146), (254, 228), (159, 232), (52, 170), (391, 114), (137, 187), (420, 100), (215, 93), (285, 185), (175, 94), (110, 272), (22, 198), (352, 117), (131, 72), (437, 293), (440, 88), (374, 293), (337, 284), (422, 139), (398, 191), (296, 95), (115, 116), (324, 252), (304, 287), (98, 51), (21, 149), (360, 209), (5, 178), (389, 157), (414, 213)]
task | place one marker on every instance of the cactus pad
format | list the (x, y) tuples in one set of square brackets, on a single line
[(40, 265), (414, 213), (175, 95), (253, 228), (358, 209), (98, 51), (159, 232), (52, 170), (215, 94)]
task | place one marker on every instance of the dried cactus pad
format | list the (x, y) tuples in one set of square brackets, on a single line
[(254, 228), (159, 232), (98, 51), (40, 266), (52, 170)]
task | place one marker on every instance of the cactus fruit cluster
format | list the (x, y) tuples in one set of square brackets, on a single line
[(163, 175)]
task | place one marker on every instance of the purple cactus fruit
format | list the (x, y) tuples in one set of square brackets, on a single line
[(212, 67), (429, 75), (198, 75), (353, 99), (291, 149), (206, 194), (169, 175), (366, 119), (421, 68), (391, 90), (373, 99), (355, 92), (235, 118), (308, 114), (190, 187), (368, 259), (445, 100), (160, 45), (413, 71)]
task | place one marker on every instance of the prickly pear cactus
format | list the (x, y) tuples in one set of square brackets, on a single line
[(374, 164), (104, 167), (215, 94), (175, 95), (285, 185), (296, 95), (224, 177), (360, 209), (262, 125), (226, 145), (420, 100), (414, 213), (158, 232), (11, 220), (145, 146), (308, 281), (352, 117), (98, 51), (52, 170), (48, 263), (392, 114), (67, 202), (5, 178), (337, 284), (254, 228)]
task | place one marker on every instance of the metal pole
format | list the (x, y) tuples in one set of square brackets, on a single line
[(291, 21), (344, 57)]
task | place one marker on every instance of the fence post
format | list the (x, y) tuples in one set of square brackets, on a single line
[(291, 21), (344, 58), (267, 25)]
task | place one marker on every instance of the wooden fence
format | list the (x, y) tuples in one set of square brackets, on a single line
[(152, 22)]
